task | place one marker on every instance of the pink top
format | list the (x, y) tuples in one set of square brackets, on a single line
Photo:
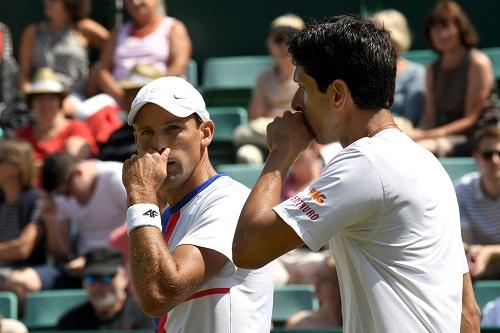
[(153, 49)]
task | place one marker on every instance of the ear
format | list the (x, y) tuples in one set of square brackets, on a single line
[(338, 93), (207, 132)]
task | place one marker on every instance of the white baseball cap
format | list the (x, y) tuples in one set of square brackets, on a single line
[(172, 93)]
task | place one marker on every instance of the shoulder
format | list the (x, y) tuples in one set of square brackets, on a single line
[(87, 25), (467, 181), (479, 59)]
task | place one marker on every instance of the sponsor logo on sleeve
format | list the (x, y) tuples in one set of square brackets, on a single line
[(304, 207), (317, 195)]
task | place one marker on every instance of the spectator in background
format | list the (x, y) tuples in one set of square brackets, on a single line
[(151, 37), (409, 95), (329, 313), (13, 112), (478, 196), (52, 131), (110, 307), (273, 92), (121, 144), (460, 83), (61, 42), (88, 194), (21, 230)]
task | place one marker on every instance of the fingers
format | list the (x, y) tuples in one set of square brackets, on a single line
[(164, 154)]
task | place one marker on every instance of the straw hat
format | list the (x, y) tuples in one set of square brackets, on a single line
[(46, 81), (140, 75)]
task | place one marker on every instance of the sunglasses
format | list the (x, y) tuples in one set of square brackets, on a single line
[(488, 154), (102, 278)]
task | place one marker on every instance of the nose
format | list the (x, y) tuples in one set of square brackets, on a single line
[(159, 144), (298, 101)]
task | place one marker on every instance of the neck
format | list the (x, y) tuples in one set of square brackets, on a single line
[(202, 172), (491, 188), (285, 69), (44, 125), (12, 190), (60, 22), (367, 123)]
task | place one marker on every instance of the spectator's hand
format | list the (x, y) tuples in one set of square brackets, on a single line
[(48, 208), (478, 257), (416, 134), (75, 266), (289, 131), (143, 177)]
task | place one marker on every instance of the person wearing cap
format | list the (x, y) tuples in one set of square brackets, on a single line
[(121, 144), (272, 93), (52, 131), (181, 220), (109, 306)]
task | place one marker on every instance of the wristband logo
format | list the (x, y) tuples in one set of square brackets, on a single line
[(151, 213)]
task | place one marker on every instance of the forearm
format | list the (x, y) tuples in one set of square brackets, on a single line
[(456, 127), (154, 272), (58, 245), (257, 216), (109, 85), (470, 322), (14, 250)]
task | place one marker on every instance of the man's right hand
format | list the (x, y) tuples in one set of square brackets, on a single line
[(143, 176), (290, 132)]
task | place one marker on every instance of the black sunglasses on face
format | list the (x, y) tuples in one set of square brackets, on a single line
[(488, 154), (104, 278)]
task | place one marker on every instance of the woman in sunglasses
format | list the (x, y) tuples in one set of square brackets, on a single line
[(478, 196)]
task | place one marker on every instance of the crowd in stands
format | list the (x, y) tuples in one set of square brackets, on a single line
[(63, 140)]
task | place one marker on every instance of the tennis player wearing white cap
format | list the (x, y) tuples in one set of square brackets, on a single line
[(181, 259)]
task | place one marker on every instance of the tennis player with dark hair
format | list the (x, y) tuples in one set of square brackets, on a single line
[(385, 205)]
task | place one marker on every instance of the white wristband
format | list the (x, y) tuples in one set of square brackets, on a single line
[(140, 215)]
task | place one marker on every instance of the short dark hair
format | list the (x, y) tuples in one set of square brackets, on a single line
[(57, 169), (491, 131), (446, 11), (350, 48), (77, 9)]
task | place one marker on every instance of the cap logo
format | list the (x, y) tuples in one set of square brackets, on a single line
[(177, 97)]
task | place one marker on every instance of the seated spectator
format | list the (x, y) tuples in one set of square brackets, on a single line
[(61, 42), (460, 83), (490, 314), (409, 95), (329, 313), (272, 94), (304, 170), (21, 230), (87, 194), (478, 196), (121, 144), (13, 112), (150, 37), (52, 131), (109, 307)]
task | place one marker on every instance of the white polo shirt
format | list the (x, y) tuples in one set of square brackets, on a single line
[(235, 300), (389, 212)]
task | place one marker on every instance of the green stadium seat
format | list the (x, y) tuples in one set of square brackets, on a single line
[(8, 304), (307, 330), (485, 291), (290, 299), (228, 81), (458, 166), (246, 174), (494, 55), (192, 73), (420, 56), (44, 308), (226, 119)]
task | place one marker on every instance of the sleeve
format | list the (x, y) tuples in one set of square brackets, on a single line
[(216, 222), (344, 198)]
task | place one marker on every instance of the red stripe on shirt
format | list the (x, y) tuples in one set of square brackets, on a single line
[(161, 324), (172, 222), (207, 292)]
